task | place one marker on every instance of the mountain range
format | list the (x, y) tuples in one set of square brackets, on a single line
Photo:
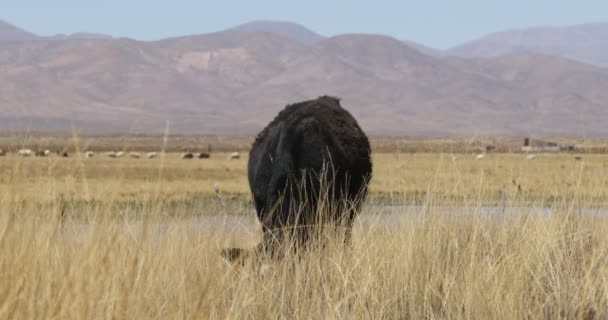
[(587, 43), (540, 81)]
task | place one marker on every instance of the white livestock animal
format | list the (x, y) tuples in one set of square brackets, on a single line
[(234, 155), (480, 156), (112, 154), (47, 152), (25, 153), (89, 154), (152, 155), (120, 154), (134, 155)]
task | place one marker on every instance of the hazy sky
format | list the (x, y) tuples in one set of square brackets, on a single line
[(435, 23)]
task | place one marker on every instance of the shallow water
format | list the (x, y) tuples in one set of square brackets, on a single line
[(373, 216)]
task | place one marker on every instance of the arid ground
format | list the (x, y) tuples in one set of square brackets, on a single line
[(442, 235)]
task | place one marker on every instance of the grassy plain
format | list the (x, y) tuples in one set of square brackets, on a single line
[(397, 177), (127, 239)]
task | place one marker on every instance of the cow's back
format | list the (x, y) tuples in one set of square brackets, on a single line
[(307, 140)]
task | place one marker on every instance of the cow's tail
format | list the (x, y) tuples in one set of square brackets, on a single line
[(283, 163), (283, 170)]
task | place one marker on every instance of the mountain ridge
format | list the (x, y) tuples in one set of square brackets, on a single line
[(235, 82), (584, 42), (10, 33)]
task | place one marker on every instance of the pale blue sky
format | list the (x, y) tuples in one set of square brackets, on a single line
[(439, 24)]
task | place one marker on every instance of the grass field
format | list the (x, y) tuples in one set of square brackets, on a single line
[(115, 238), (407, 177)]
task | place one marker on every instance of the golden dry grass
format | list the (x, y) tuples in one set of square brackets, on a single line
[(400, 176), (157, 257)]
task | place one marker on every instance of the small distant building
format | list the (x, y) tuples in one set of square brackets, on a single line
[(541, 149), (544, 146)]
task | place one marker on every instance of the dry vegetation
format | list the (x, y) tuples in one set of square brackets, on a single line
[(137, 239), (398, 178), (225, 143)]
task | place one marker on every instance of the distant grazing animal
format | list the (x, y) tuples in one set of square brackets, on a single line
[(89, 154), (134, 155), (63, 154), (2, 153), (234, 155), (152, 155), (308, 145), (25, 152), (112, 154), (47, 152), (40, 153), (203, 155), (480, 156), (188, 155), (120, 154), (578, 158)]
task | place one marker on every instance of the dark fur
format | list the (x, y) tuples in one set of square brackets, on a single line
[(306, 141)]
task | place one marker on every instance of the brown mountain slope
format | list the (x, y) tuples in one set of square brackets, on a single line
[(587, 43), (235, 82), (290, 30), (10, 33)]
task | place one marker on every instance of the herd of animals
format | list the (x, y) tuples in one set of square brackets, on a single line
[(113, 154), (308, 170)]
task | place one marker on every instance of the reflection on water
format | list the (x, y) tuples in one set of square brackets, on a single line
[(377, 216), (392, 215)]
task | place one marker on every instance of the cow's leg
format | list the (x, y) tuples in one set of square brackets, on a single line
[(233, 254), (347, 224), (271, 242), (270, 245), (348, 230)]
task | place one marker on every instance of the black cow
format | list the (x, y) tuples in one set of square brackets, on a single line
[(203, 155), (312, 154)]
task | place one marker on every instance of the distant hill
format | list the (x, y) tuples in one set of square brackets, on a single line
[(587, 43), (289, 30), (79, 35), (424, 49), (10, 33), (235, 82), (303, 35)]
